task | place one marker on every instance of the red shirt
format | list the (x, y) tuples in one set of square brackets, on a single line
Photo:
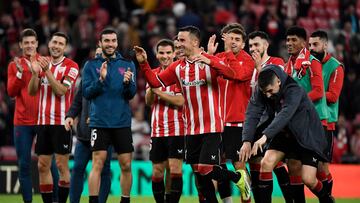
[(26, 106), (200, 89), (235, 94), (334, 88), (52, 108), (166, 119)]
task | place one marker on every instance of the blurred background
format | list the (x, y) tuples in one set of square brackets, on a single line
[(144, 22)]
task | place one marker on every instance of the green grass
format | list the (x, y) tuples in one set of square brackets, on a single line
[(115, 199)]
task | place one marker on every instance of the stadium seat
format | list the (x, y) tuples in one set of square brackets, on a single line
[(8, 153), (307, 23), (321, 23)]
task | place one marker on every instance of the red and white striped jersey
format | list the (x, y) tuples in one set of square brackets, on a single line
[(202, 112), (52, 108), (166, 119), (271, 60), (236, 92)]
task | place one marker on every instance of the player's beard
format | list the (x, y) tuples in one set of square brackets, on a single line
[(318, 55), (107, 55)]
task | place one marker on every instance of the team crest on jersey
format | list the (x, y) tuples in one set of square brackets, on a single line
[(194, 83), (61, 69), (44, 81), (73, 73), (121, 70)]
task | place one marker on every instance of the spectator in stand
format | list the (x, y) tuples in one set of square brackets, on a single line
[(355, 142)]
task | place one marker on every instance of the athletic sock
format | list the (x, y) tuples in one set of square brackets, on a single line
[(284, 181), (207, 188), (224, 187), (176, 187), (220, 174), (254, 172), (330, 183), (158, 189), (321, 192), (167, 197), (297, 189), (265, 186), (63, 191), (125, 199), (94, 199), (46, 191)]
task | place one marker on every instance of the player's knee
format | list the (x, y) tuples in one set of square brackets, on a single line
[(309, 181), (267, 164), (126, 167), (43, 166), (97, 165), (175, 168)]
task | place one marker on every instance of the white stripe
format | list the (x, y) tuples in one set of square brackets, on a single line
[(38, 120), (165, 116), (199, 99), (336, 73), (225, 98), (219, 100), (211, 99), (234, 124), (44, 104), (177, 71), (191, 110), (52, 103), (157, 129), (253, 82), (152, 122), (62, 108), (176, 122)]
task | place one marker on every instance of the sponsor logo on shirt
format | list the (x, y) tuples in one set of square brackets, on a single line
[(194, 82)]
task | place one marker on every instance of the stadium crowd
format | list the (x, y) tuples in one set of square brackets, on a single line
[(146, 22)]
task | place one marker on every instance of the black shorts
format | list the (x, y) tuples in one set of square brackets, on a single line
[(329, 147), (53, 139), (163, 148), (232, 142), (203, 149), (120, 138), (287, 143)]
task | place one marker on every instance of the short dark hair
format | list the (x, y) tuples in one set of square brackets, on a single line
[(192, 30), (165, 42), (107, 31), (266, 78), (230, 26), (28, 32), (297, 31), (261, 34), (321, 34), (61, 34), (239, 32)]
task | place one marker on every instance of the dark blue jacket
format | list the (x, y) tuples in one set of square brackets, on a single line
[(109, 100)]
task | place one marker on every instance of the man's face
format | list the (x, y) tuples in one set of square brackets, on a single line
[(317, 47), (108, 44), (57, 46), (186, 42), (165, 55), (258, 45), (28, 45), (271, 90), (294, 44), (236, 42), (179, 53)]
